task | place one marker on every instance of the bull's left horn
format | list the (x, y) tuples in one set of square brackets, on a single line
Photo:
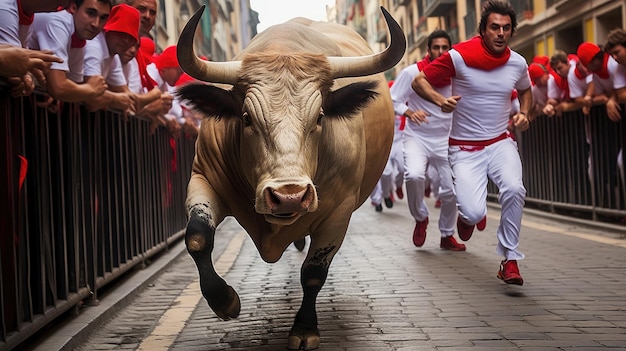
[(214, 72), (375, 63)]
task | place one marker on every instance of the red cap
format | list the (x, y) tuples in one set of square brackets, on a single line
[(124, 19), (586, 52), (535, 71), (167, 59), (542, 60), (184, 79)]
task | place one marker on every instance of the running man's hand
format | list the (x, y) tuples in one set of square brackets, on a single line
[(520, 121), (449, 104)]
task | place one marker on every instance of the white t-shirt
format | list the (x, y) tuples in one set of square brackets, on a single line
[(131, 72), (577, 86), (484, 109), (99, 62), (11, 31), (176, 112), (404, 97), (53, 31), (616, 79)]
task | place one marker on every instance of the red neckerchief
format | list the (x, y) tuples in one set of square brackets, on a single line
[(77, 42), (561, 83), (604, 70), (476, 55), (146, 81), (425, 62), (580, 75), (25, 19)]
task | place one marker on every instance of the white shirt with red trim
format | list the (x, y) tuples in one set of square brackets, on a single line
[(437, 129), (53, 31), (577, 86), (616, 79), (176, 112), (12, 32), (484, 109), (99, 62)]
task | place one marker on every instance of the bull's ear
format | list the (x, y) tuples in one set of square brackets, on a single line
[(346, 101), (208, 99)]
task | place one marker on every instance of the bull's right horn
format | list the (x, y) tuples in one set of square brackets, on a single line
[(213, 72), (375, 63)]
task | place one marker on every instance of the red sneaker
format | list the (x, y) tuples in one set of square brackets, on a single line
[(509, 273), (465, 230), (419, 233), (400, 193), (450, 243), (482, 224), (438, 203)]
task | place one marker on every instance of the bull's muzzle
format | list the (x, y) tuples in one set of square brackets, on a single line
[(286, 201)]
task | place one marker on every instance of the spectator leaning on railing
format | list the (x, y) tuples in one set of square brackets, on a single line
[(616, 46), (65, 33), (17, 64), (101, 58)]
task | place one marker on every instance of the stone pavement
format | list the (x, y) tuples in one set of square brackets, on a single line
[(383, 293)]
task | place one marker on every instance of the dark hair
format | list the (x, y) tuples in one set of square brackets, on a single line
[(615, 37), (500, 7), (558, 57), (438, 34), (80, 2)]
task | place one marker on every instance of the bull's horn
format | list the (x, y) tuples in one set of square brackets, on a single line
[(214, 72), (375, 63)]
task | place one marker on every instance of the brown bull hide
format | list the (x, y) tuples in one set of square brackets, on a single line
[(291, 150)]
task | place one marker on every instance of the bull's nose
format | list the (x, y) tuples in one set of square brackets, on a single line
[(288, 200)]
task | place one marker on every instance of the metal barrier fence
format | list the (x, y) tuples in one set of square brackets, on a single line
[(570, 165), (84, 197)]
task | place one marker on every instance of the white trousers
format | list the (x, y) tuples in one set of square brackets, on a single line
[(471, 170), (393, 174), (418, 155)]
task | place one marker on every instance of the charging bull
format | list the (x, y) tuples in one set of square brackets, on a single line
[(292, 147)]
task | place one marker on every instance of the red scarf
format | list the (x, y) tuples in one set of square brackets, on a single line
[(146, 81), (580, 75), (562, 84), (425, 62), (25, 19), (604, 70), (477, 55), (77, 42)]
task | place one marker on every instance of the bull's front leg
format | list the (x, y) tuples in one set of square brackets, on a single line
[(304, 334), (200, 241)]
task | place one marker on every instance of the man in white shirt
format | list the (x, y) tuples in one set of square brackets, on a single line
[(484, 71), (101, 58), (66, 33), (426, 146), (16, 18)]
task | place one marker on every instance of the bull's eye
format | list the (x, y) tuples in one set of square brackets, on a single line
[(246, 119), (320, 117)]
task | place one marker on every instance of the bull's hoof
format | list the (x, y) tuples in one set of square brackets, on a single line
[(229, 308), (303, 339), (299, 244)]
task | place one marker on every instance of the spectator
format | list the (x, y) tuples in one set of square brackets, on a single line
[(609, 77), (165, 70), (616, 47), (16, 18), (120, 33), (66, 33), (539, 77), (148, 11), (138, 80), (558, 89)]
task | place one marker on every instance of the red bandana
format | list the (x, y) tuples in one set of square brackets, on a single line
[(25, 19), (561, 83), (77, 42), (476, 55)]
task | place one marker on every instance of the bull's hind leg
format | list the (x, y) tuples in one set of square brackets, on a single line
[(304, 334), (200, 241)]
